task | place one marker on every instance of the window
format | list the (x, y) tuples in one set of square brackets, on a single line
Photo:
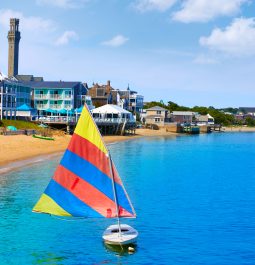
[(68, 94), (158, 111), (157, 120), (100, 92)]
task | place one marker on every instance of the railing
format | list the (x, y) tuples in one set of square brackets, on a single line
[(67, 97), (67, 107), (55, 119), (55, 106), (66, 119), (42, 106), (52, 96), (112, 120), (41, 96)]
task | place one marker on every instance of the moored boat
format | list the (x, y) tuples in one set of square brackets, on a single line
[(120, 235)]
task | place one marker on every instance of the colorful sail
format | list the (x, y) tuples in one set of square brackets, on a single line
[(82, 185)]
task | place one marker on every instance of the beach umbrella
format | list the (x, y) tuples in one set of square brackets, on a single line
[(70, 112), (49, 110), (62, 111), (79, 110)]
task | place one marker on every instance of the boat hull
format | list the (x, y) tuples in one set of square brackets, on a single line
[(127, 236)]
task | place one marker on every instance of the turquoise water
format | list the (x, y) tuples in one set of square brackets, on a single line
[(194, 197)]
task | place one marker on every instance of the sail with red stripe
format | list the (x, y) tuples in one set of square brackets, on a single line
[(86, 182)]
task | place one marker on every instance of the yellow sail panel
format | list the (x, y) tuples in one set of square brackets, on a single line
[(87, 129), (47, 205)]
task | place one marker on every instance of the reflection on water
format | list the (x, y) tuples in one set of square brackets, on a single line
[(47, 258), (122, 250)]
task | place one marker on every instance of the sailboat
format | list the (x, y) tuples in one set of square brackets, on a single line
[(86, 184)]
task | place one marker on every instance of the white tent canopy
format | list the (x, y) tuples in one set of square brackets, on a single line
[(112, 112), (109, 109)]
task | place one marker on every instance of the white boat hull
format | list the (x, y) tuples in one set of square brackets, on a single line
[(128, 235)]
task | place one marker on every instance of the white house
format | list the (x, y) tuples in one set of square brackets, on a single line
[(205, 119)]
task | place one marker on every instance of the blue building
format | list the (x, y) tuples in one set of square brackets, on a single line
[(13, 94), (57, 96)]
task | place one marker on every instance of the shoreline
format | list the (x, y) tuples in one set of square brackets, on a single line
[(238, 129), (17, 151)]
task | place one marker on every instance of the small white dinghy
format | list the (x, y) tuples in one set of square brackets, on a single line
[(126, 236)]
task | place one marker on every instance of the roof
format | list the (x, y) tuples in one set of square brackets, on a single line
[(24, 107), (52, 84), (27, 78), (109, 108), (38, 78), (157, 108), (183, 113)]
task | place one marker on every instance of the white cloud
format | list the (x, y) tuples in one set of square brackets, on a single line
[(63, 3), (237, 39), (27, 23), (116, 41), (66, 37), (148, 5), (205, 10)]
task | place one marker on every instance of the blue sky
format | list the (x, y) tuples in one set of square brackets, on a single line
[(193, 52)]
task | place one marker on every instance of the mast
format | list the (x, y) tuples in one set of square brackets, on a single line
[(114, 192)]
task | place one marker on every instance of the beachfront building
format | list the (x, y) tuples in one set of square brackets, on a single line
[(157, 115), (112, 119), (13, 94), (204, 119), (102, 94), (53, 97), (127, 99), (130, 100), (182, 116)]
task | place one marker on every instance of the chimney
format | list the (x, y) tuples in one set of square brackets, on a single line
[(108, 83)]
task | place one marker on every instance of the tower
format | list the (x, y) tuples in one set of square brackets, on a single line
[(13, 39)]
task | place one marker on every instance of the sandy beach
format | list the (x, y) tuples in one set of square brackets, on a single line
[(18, 150)]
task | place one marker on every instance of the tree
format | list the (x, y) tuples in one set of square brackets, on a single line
[(250, 121), (201, 110), (153, 104)]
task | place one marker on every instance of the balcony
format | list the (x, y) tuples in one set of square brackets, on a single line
[(68, 107), (41, 96), (56, 97), (55, 106), (42, 106), (67, 97)]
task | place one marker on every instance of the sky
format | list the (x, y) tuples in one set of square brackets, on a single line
[(192, 52)]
